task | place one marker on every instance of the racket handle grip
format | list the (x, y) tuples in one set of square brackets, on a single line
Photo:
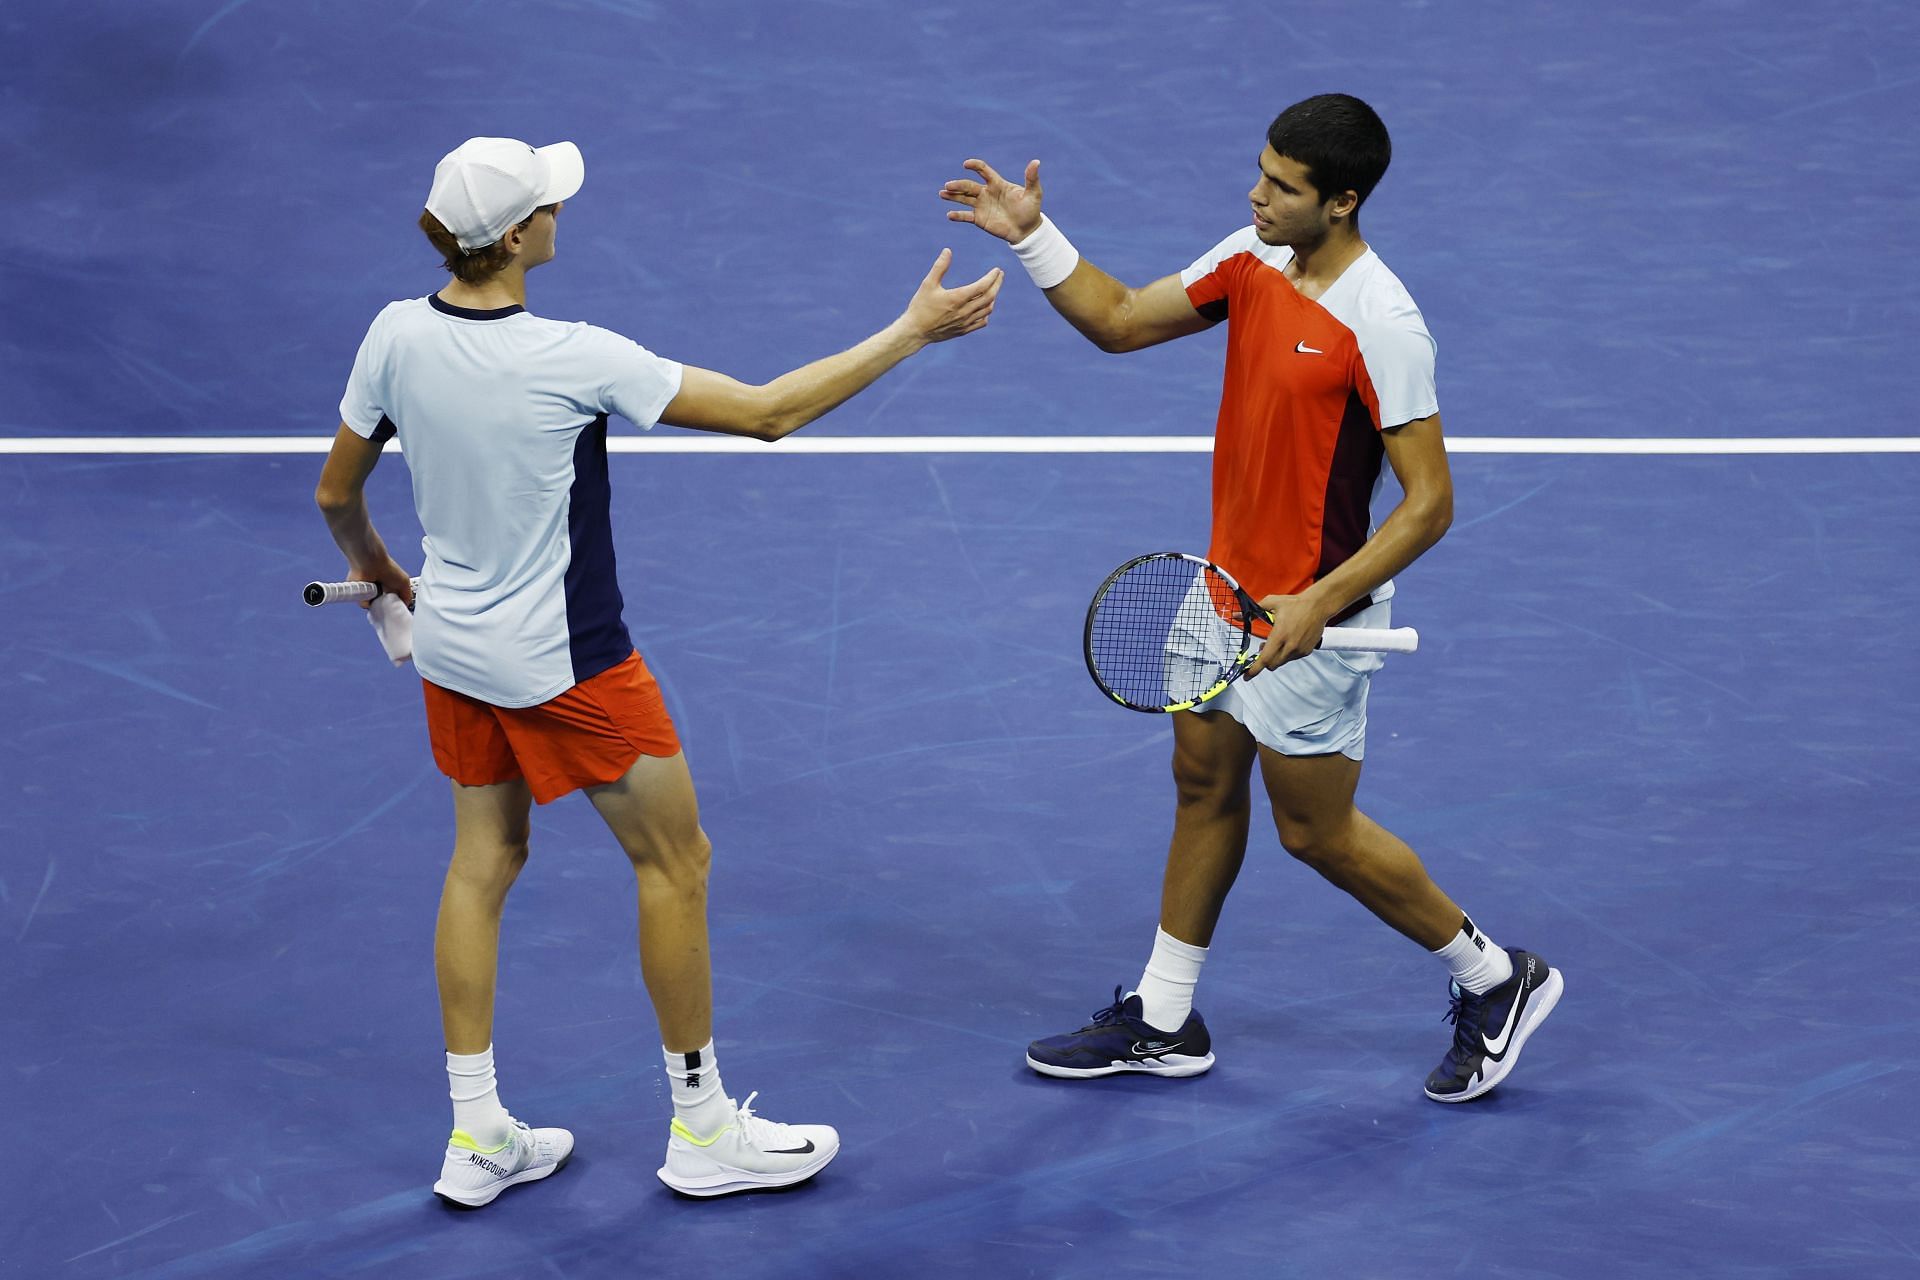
[(317, 593), (1370, 639)]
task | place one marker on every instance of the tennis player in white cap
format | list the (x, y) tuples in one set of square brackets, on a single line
[(532, 684)]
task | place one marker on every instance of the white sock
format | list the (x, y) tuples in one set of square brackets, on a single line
[(1475, 962), (1166, 988), (698, 1100), (476, 1098)]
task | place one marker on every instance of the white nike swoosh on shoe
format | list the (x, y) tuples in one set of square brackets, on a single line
[(1165, 1048), (1498, 1046), (1306, 350)]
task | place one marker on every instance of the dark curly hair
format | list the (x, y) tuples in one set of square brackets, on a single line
[(1339, 139)]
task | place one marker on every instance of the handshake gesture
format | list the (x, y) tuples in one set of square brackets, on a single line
[(997, 207)]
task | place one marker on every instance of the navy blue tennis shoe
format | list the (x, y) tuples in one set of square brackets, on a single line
[(1489, 1030), (1117, 1040)]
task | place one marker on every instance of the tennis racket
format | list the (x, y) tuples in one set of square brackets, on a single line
[(341, 592), (1168, 631)]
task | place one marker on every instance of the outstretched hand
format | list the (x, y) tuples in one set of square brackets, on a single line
[(936, 313), (993, 204)]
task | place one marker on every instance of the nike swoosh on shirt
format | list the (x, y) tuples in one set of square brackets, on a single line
[(1306, 350), (1496, 1047)]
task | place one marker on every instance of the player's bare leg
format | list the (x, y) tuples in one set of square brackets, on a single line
[(1499, 996), (714, 1147), (488, 1151), (653, 813), (1212, 762), (1313, 808), (489, 848), (1155, 1029)]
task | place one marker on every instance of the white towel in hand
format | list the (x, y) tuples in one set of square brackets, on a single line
[(393, 623)]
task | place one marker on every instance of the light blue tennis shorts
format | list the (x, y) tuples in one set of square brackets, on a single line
[(1313, 706)]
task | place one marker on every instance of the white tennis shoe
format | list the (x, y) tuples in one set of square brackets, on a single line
[(473, 1176), (748, 1154)]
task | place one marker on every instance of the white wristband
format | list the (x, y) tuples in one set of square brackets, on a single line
[(1047, 254)]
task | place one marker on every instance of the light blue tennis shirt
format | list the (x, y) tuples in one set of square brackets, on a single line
[(503, 419)]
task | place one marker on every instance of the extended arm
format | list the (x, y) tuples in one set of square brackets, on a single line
[(709, 401), (1117, 318), (1112, 316), (342, 499), (1418, 456)]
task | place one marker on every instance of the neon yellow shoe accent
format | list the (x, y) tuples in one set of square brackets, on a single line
[(680, 1130), (464, 1140)]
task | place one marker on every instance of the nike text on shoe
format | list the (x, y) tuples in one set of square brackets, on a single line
[(1117, 1040), (748, 1154), (1490, 1030), (472, 1177)]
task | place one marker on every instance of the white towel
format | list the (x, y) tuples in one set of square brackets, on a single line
[(393, 623)]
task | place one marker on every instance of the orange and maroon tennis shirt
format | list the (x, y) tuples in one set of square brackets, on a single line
[(1309, 387)]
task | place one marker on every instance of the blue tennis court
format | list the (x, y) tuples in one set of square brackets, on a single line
[(1659, 728)]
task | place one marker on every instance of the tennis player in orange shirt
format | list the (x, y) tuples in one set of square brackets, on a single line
[(1329, 369)]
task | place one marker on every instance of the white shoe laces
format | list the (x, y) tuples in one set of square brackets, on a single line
[(526, 1140), (754, 1131)]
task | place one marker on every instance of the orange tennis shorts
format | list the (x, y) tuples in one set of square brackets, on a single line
[(589, 735)]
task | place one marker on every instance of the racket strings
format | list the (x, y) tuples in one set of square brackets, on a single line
[(1164, 632)]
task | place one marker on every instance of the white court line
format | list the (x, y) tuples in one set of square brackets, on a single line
[(699, 443)]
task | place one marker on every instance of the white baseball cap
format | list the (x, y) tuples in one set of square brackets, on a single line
[(485, 186)]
